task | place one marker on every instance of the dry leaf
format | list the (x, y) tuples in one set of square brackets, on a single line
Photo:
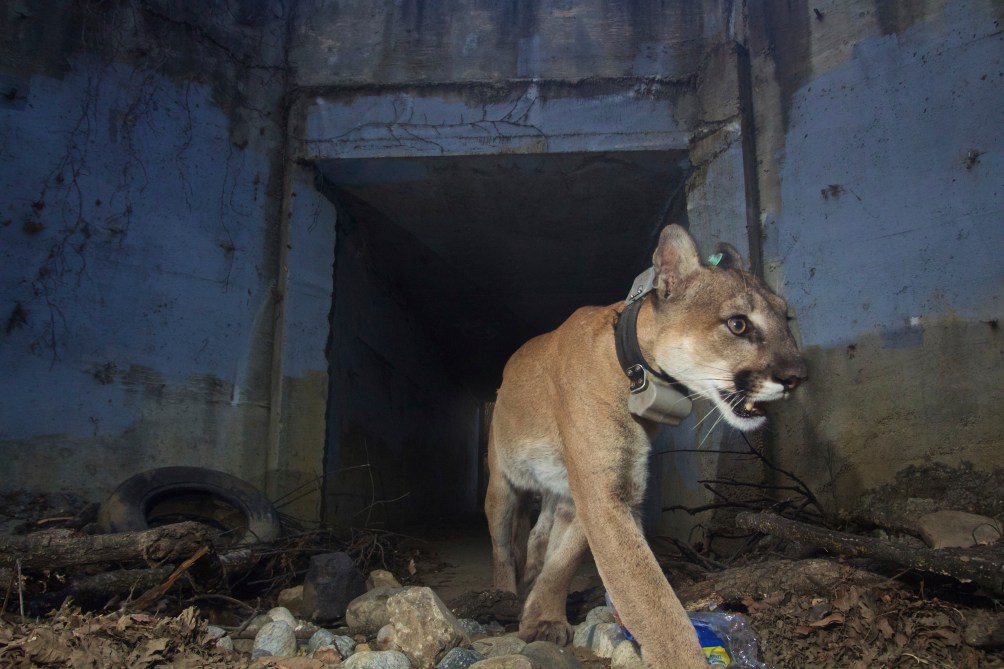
[(43, 646), (835, 618), (150, 652), (884, 628)]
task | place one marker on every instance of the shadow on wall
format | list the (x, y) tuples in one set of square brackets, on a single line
[(883, 406)]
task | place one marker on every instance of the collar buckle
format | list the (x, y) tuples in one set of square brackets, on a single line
[(637, 379)]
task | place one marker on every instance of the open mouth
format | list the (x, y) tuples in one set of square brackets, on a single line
[(746, 408)]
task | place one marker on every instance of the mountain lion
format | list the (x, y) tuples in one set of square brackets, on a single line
[(563, 428)]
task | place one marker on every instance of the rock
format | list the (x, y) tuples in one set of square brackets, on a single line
[(217, 636), (424, 629), (275, 638), (368, 613), (321, 637), (381, 578), (329, 655), (292, 599), (546, 655), (332, 581), (510, 644), (600, 614), (606, 636), (378, 659), (385, 638), (626, 656), (957, 529), (472, 627), (459, 658), (493, 628), (346, 645), (256, 624), (488, 605), (282, 613), (287, 663), (214, 632), (243, 645), (504, 662), (305, 629), (583, 634)]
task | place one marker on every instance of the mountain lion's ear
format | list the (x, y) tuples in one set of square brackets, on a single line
[(674, 259), (728, 257)]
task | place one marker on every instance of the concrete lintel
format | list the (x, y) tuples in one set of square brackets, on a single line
[(428, 122)]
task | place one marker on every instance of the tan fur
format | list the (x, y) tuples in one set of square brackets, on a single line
[(561, 428)]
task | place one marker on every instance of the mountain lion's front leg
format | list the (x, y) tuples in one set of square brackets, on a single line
[(604, 499)]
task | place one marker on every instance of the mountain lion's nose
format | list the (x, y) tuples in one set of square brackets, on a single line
[(789, 382), (793, 375)]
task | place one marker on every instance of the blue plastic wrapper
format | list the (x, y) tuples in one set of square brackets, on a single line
[(726, 638)]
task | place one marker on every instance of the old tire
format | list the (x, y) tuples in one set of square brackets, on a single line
[(195, 493)]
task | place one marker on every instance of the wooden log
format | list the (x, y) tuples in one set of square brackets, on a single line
[(807, 578), (983, 565), (93, 592), (53, 549)]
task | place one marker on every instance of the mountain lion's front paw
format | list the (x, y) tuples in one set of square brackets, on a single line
[(555, 631)]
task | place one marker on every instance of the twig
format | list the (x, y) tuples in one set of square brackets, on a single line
[(381, 501), (244, 625), (20, 587), (694, 510), (152, 595), (708, 562), (222, 598), (750, 484), (802, 487)]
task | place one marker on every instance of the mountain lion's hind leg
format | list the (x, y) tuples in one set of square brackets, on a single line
[(544, 616), (538, 542), (501, 506)]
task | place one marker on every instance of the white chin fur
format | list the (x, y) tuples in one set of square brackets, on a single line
[(738, 422), (744, 424)]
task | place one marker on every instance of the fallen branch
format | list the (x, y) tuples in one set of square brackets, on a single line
[(96, 590), (53, 549), (806, 578), (982, 565), (153, 595)]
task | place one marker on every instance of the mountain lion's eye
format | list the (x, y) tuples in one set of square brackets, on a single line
[(737, 325)]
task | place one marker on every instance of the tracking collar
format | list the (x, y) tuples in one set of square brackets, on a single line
[(654, 394)]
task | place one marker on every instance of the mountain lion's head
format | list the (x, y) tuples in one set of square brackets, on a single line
[(721, 331)]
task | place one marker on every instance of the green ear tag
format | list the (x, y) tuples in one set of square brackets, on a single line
[(715, 259)]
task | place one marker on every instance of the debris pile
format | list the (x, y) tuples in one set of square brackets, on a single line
[(868, 590)]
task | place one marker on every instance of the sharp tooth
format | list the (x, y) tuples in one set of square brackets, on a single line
[(749, 404)]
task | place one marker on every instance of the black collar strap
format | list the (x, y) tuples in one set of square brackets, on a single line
[(629, 354)]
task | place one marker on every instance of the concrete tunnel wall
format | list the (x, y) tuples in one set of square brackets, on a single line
[(881, 151), (138, 263), (167, 263), (402, 426), (144, 264), (461, 79)]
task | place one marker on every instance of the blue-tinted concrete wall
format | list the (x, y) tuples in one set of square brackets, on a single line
[(881, 148), (142, 181)]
